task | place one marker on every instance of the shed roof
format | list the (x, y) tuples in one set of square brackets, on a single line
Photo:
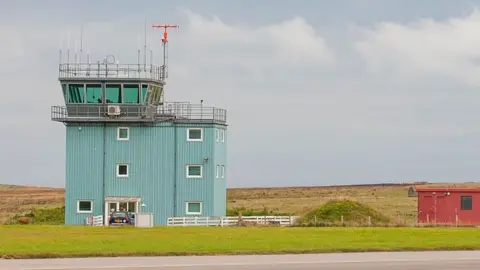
[(436, 189)]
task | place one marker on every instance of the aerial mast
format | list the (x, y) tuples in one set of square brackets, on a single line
[(165, 44)]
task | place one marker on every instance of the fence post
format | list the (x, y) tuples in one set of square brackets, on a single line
[(369, 221), (341, 219), (456, 220)]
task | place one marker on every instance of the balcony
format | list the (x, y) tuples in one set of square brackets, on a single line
[(182, 112)]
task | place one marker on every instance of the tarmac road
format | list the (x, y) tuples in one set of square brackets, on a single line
[(446, 260)]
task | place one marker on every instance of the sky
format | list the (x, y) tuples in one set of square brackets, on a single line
[(317, 92)]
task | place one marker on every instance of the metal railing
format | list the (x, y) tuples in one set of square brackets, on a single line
[(231, 221), (117, 71), (176, 111)]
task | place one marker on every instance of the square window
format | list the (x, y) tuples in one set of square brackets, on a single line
[(123, 134), (194, 171), (122, 170), (217, 171), (466, 202), (194, 208), (194, 134), (84, 207), (223, 171)]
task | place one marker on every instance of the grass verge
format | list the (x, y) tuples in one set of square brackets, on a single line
[(33, 241)]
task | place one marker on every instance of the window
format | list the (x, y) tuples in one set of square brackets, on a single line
[(122, 170), (131, 94), (123, 133), (194, 134), (194, 171), (94, 93), (466, 202), (218, 171), (84, 207), (144, 92), (222, 135), (113, 93), (194, 208), (76, 93), (217, 135), (223, 171)]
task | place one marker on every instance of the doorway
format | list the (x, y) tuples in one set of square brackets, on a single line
[(113, 204)]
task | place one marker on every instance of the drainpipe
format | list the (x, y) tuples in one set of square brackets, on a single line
[(175, 170), (104, 176)]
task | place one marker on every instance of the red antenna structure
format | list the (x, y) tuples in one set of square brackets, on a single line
[(165, 43)]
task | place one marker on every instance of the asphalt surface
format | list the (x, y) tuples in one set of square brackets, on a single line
[(451, 260)]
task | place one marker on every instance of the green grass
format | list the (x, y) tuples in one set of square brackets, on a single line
[(33, 241), (353, 214)]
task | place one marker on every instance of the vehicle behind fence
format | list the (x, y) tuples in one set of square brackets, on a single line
[(142, 220)]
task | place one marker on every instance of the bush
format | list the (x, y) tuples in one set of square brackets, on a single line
[(41, 216), (353, 213)]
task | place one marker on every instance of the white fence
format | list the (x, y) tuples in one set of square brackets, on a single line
[(231, 221), (94, 220)]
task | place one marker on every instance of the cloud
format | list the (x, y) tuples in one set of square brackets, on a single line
[(425, 47)]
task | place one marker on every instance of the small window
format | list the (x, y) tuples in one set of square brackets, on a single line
[(194, 208), (84, 207), (222, 135), (194, 134), (223, 171), (122, 170), (217, 171), (123, 134), (218, 135), (466, 202), (194, 171)]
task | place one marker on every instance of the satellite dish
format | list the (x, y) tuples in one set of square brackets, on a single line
[(109, 59)]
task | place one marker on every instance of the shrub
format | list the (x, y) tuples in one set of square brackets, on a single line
[(41, 216), (353, 213)]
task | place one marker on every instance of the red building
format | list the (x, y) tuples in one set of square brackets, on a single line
[(449, 206)]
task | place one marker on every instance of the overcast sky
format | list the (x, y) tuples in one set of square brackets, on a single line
[(317, 92)]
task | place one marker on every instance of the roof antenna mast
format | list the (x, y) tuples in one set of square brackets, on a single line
[(165, 44)]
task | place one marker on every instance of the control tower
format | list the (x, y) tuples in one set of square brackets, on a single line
[(127, 149)]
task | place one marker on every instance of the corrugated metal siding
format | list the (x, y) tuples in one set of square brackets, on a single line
[(220, 187), (195, 189), (83, 170), (150, 153)]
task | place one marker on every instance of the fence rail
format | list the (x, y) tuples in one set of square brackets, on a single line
[(231, 221), (180, 112), (94, 220), (114, 71)]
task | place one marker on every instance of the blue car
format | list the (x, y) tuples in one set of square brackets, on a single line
[(122, 218)]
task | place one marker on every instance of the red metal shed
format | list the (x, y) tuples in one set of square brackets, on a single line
[(459, 206)]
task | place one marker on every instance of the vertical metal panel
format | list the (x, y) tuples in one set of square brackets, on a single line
[(201, 153), (150, 153), (83, 170), (220, 186)]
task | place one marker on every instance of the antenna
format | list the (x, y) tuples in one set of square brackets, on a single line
[(165, 44)]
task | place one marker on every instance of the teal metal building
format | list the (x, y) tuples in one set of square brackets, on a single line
[(127, 149)]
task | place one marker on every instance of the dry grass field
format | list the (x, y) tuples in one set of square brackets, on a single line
[(18, 199), (390, 199)]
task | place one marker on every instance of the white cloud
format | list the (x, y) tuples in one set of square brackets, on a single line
[(443, 48)]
